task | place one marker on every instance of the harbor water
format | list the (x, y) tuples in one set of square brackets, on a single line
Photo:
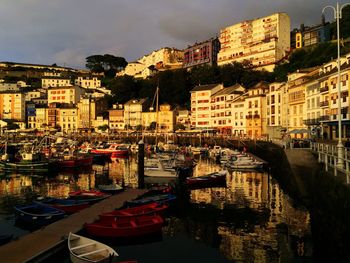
[(250, 220)]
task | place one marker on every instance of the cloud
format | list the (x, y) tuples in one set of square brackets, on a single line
[(66, 31)]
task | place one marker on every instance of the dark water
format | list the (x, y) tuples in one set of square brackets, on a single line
[(250, 220)]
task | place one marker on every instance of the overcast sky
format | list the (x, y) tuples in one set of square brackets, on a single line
[(67, 31)]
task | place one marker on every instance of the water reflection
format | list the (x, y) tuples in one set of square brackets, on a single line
[(249, 220)]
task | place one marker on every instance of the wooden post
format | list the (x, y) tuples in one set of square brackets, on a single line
[(141, 165)]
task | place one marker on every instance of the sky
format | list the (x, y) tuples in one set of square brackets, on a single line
[(65, 32)]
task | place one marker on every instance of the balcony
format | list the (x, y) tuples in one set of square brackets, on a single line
[(324, 118), (324, 103), (312, 121), (324, 89)]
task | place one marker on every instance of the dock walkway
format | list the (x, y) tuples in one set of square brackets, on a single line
[(33, 244)]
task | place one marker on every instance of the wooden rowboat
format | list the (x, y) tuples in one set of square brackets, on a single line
[(69, 206), (217, 179), (148, 209), (126, 227), (83, 250)]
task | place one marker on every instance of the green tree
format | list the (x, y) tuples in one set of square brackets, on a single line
[(103, 128), (179, 126), (107, 63), (153, 125)]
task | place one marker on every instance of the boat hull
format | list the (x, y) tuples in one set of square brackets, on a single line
[(126, 227)]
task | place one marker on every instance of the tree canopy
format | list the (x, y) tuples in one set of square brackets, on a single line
[(107, 63)]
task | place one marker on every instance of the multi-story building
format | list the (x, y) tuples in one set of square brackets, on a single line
[(7, 86), (274, 109), (255, 109), (41, 118), (221, 111), (184, 117), (67, 94), (313, 111), (307, 36), (54, 81), (133, 112), (238, 118), (260, 43), (88, 110), (34, 94), (296, 100), (88, 82), (164, 118), (201, 105), (116, 117), (68, 118), (12, 106), (204, 53), (329, 101)]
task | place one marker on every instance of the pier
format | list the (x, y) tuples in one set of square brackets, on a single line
[(32, 245)]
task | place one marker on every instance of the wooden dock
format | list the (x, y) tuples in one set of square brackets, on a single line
[(33, 244)]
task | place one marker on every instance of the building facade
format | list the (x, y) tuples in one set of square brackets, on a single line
[(67, 94), (12, 106), (204, 53), (260, 43), (88, 82)]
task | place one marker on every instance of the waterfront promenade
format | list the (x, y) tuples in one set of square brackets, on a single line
[(33, 244)]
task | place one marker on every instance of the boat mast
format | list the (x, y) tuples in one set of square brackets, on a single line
[(157, 112)]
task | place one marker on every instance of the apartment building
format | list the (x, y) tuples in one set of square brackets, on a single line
[(30, 95), (260, 43), (88, 82), (133, 112), (116, 117), (313, 110), (255, 110), (88, 110), (184, 117), (238, 116), (329, 101), (54, 81), (204, 53), (201, 105), (310, 35), (221, 111), (66, 94), (165, 118), (9, 86), (274, 110), (67, 118), (12, 105)]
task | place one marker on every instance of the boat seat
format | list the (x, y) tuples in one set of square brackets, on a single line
[(81, 246), (92, 252)]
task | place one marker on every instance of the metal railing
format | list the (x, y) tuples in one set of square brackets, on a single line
[(328, 155)]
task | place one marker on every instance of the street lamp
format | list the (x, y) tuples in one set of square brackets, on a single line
[(337, 15)]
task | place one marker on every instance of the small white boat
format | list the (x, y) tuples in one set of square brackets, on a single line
[(83, 250)]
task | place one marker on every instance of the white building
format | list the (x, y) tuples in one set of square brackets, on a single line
[(54, 81), (88, 82), (274, 109), (260, 42)]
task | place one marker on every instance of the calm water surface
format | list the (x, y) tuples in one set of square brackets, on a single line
[(250, 220)]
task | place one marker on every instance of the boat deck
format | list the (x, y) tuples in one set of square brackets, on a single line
[(33, 244)]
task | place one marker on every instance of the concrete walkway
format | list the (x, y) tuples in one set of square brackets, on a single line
[(303, 163), (39, 241)]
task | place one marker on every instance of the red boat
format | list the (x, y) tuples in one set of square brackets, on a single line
[(90, 196), (114, 150), (126, 226), (74, 161), (148, 209), (216, 179)]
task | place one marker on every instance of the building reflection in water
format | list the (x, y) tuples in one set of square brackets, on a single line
[(249, 220), (278, 237)]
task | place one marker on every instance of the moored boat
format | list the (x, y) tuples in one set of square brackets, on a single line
[(74, 161), (88, 195), (126, 227), (110, 188), (69, 206), (37, 214), (211, 180), (83, 250), (153, 208), (162, 198)]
